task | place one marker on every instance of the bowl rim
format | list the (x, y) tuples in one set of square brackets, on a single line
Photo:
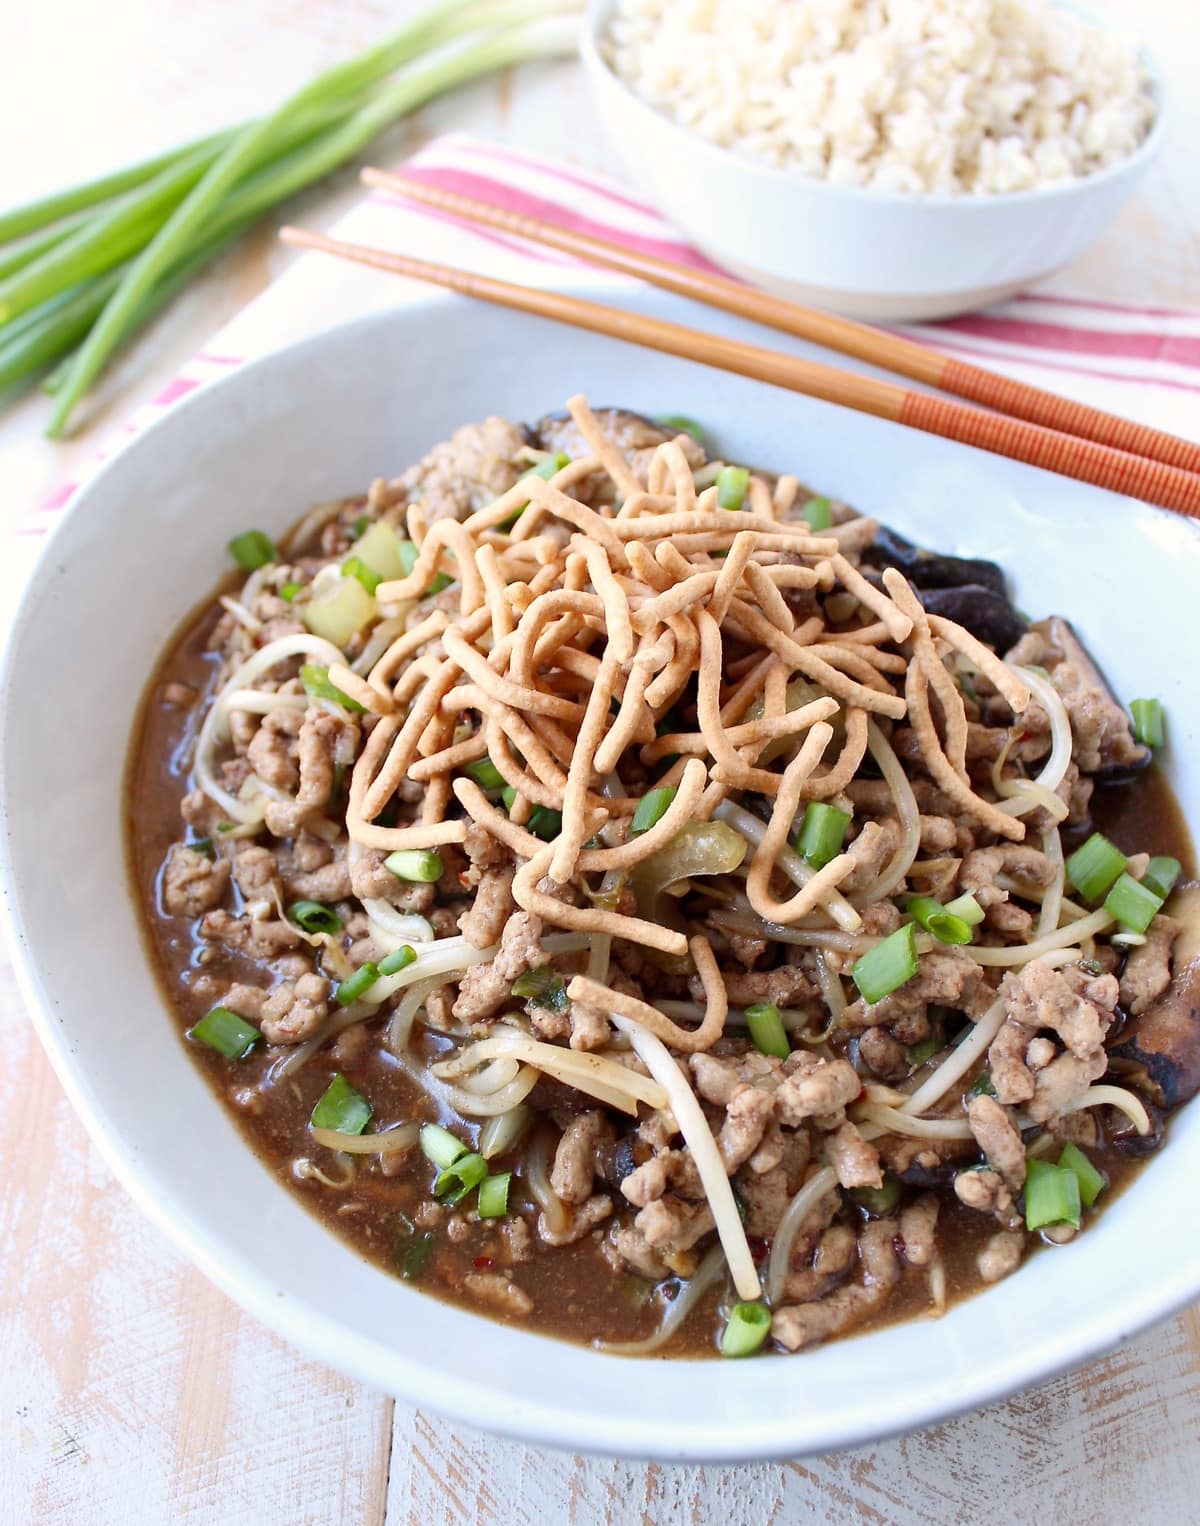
[(776, 179), (384, 1364)]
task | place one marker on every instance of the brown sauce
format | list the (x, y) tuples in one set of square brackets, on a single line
[(577, 1294)]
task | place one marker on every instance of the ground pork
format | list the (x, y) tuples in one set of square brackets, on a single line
[(817, 1089), (499, 1292), (325, 744), (670, 1225), (764, 1198), (918, 1229), (273, 752), (1147, 972), (869, 852), (256, 871), (1099, 726), (261, 939), (293, 1012), (590, 1029), (581, 1221), (462, 474), (986, 1191), (486, 987), (483, 924), (330, 882), (192, 883), (788, 986), (1001, 1255), (1071, 1002), (629, 1248), (883, 1054), (945, 978), (998, 1139), (1026, 865), (574, 1167), (832, 1261), (798, 1325), (854, 1160), (717, 1077)]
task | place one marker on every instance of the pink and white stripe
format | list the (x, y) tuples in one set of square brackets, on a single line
[(1143, 362)]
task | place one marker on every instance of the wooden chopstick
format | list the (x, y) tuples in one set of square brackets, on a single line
[(1153, 481), (891, 352)]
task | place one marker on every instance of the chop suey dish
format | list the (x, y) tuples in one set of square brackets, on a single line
[(630, 896)]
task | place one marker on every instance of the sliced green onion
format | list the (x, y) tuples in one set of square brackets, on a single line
[(416, 1254), (919, 1054), (550, 467), (887, 966), (543, 822), (453, 1183), (967, 909), (878, 1201), (420, 864), (252, 550), (543, 987), (485, 774), (493, 1196), (316, 682), (1132, 904), (766, 1029), (1161, 874), (1051, 1195), (226, 1032), (355, 532), (819, 513), (732, 482), (289, 591), (203, 846), (1094, 867), (356, 985), (820, 838), (681, 424), (938, 920), (746, 1329), (1091, 1182), (983, 1085), (1149, 721), (355, 567), (409, 552), (651, 808), (342, 1108), (399, 959), (441, 1146), (313, 917)]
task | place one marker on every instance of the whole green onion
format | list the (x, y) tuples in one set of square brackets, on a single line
[(253, 549), (1094, 867), (316, 682), (651, 808), (938, 920), (819, 514), (492, 1202), (421, 865), (766, 1029), (822, 833), (746, 1329), (341, 1108), (1149, 721), (356, 985), (1091, 1182), (226, 1032), (440, 1146), (1132, 904), (732, 482), (313, 917), (399, 959), (887, 966), (1051, 1195), (1161, 873)]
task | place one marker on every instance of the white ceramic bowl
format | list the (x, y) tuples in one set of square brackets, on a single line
[(868, 254), (146, 540)]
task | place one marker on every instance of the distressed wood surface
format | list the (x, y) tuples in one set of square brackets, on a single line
[(132, 1391)]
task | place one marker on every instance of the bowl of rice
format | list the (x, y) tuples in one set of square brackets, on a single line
[(886, 159)]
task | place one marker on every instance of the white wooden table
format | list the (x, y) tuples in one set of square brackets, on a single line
[(132, 1391)]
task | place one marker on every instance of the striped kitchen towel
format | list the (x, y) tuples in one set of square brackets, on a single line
[(1143, 362)]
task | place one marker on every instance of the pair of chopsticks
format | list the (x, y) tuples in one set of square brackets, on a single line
[(1003, 416)]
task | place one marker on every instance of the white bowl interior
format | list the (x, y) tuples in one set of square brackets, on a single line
[(321, 418)]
